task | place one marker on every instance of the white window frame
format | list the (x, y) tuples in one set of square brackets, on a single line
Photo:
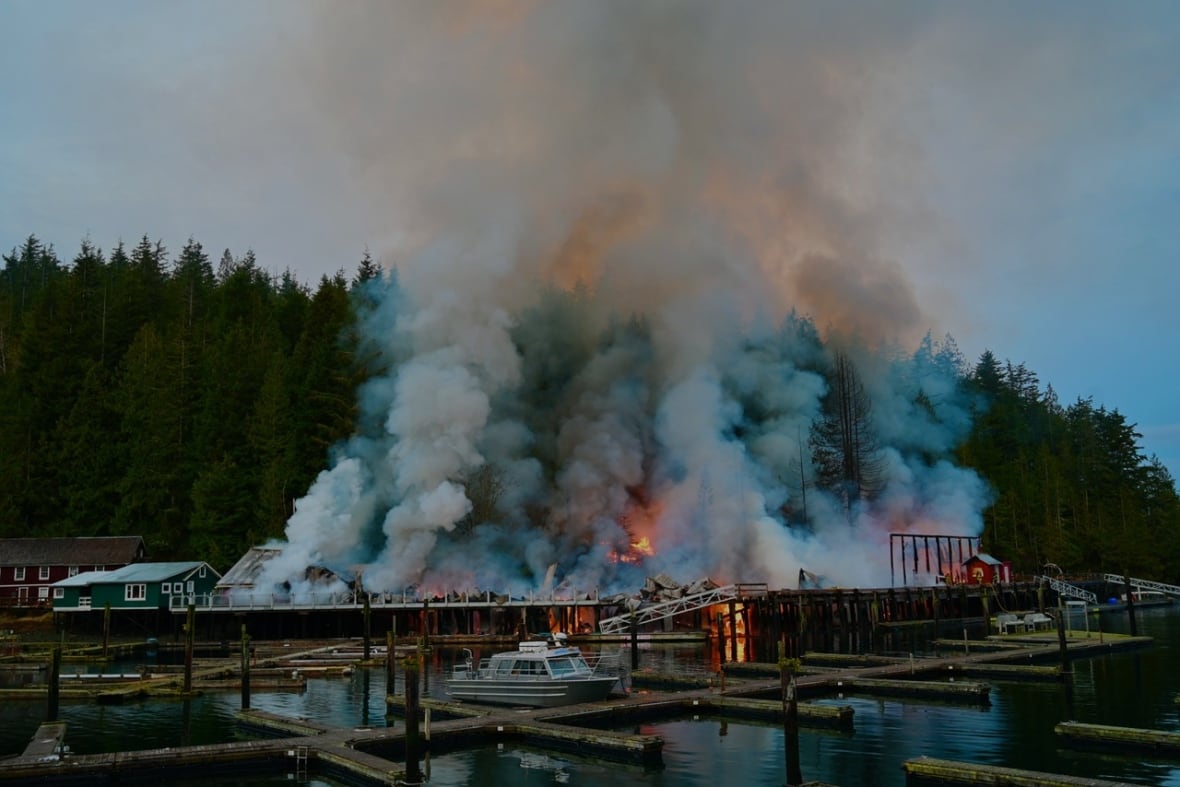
[(192, 586), (42, 572), (43, 592), (166, 588), (18, 574), (73, 571), (59, 592), (135, 591), (201, 573)]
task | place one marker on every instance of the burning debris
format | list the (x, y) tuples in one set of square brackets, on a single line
[(658, 589)]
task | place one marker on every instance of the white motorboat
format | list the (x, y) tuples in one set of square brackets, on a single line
[(540, 673)]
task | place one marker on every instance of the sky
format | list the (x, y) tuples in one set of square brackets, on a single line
[(1005, 173)]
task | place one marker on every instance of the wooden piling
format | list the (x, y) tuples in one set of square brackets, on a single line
[(1130, 605), (390, 655), (790, 719), (54, 683), (410, 669), (720, 631), (368, 613), (1062, 646), (425, 645), (245, 669), (106, 631), (733, 631), (634, 642), (189, 626)]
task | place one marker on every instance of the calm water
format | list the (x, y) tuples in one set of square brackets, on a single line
[(1131, 689)]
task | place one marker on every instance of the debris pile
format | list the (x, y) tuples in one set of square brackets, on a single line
[(661, 588)]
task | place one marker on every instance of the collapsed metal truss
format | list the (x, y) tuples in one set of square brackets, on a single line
[(666, 609)]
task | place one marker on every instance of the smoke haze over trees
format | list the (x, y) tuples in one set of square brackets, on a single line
[(211, 409)]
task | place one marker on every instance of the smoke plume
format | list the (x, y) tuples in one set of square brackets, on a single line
[(628, 238)]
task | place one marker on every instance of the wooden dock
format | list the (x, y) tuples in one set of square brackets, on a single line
[(47, 743), (1126, 739), (929, 770), (378, 755)]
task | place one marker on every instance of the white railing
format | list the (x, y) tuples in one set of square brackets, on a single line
[(1142, 584), (1066, 590), (246, 601)]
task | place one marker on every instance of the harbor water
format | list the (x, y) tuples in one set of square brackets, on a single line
[(1133, 689)]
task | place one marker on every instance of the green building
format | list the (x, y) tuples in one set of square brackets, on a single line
[(135, 586)]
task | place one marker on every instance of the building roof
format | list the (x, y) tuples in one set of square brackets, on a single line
[(243, 573), (81, 551), (984, 557), (82, 580), (136, 572)]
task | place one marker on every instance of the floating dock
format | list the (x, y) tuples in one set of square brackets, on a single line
[(928, 770), (1126, 739), (742, 690)]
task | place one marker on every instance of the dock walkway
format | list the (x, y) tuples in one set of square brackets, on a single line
[(377, 755)]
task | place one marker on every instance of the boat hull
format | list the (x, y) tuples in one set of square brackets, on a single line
[(531, 693)]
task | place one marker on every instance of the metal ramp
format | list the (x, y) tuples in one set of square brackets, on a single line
[(1066, 590), (666, 609), (1142, 584)]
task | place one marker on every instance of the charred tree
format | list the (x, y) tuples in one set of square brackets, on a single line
[(843, 441)]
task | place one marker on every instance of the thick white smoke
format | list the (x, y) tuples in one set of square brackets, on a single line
[(606, 220)]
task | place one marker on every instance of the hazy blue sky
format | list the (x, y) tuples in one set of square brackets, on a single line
[(1007, 173)]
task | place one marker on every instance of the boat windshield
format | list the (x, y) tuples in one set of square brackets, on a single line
[(506, 667), (564, 666)]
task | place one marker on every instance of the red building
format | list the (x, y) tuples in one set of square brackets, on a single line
[(28, 566), (983, 569)]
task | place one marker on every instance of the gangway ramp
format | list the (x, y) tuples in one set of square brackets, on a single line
[(1142, 584), (666, 609), (1066, 590)]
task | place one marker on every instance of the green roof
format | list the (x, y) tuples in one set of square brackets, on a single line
[(136, 572)]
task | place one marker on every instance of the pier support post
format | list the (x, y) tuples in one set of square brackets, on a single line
[(634, 642), (1066, 670), (1130, 605), (54, 683), (732, 631), (787, 669), (245, 669), (189, 632), (720, 638), (368, 613), (390, 669), (425, 646), (106, 630), (413, 745)]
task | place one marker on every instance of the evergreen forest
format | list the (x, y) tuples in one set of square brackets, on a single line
[(144, 392)]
